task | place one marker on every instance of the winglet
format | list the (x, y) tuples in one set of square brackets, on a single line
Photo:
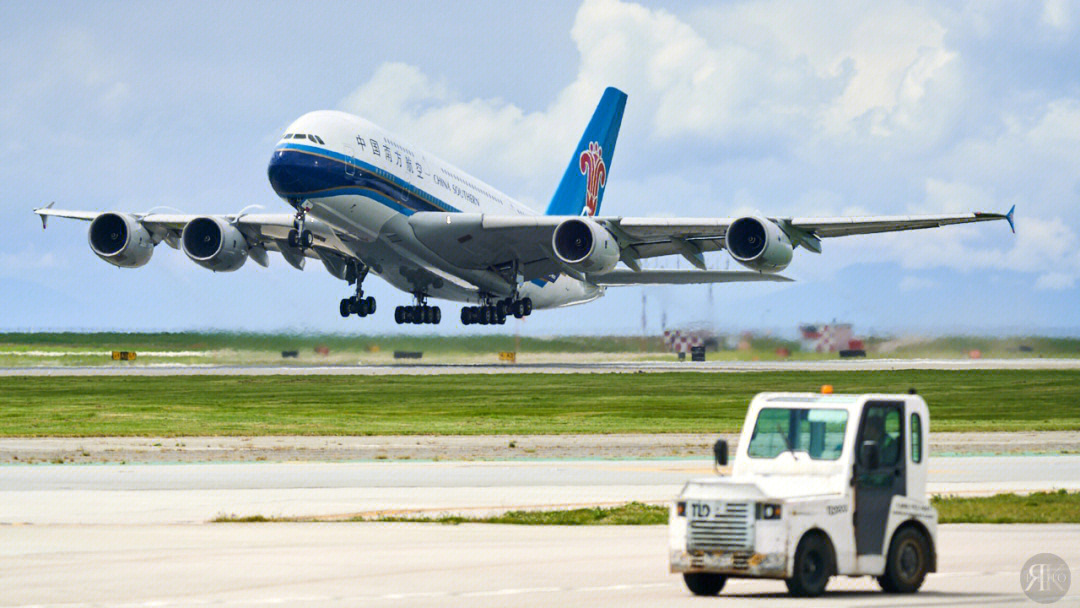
[(1009, 218), (44, 216)]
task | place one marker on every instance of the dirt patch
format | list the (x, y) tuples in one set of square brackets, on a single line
[(456, 448)]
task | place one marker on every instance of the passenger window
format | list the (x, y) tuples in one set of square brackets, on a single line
[(916, 438)]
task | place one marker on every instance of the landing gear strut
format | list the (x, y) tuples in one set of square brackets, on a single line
[(358, 304), (299, 236), (495, 314), (418, 314)]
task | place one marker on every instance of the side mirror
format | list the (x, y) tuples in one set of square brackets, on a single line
[(870, 454), (720, 452)]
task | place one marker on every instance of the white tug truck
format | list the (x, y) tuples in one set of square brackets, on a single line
[(822, 485)]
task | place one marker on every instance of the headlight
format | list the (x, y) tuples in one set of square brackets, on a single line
[(767, 510)]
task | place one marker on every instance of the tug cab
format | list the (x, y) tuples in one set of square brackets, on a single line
[(822, 485)]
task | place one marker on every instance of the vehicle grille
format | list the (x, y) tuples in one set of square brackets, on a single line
[(727, 530)]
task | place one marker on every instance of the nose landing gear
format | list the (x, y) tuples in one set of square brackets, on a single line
[(300, 237), (496, 314)]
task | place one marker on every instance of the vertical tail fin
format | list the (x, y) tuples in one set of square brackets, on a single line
[(582, 186)]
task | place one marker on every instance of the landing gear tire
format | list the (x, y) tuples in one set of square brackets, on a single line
[(526, 306), (369, 304), (300, 239), (345, 308), (907, 563), (812, 568), (704, 583), (419, 315), (466, 315)]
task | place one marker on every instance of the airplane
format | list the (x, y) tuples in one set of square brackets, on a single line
[(366, 202)]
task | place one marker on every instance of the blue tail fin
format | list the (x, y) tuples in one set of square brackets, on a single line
[(582, 186)]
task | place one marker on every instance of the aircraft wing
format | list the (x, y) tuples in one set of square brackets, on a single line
[(263, 231), (492, 242), (681, 277)]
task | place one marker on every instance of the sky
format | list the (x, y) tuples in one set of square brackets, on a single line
[(778, 108)]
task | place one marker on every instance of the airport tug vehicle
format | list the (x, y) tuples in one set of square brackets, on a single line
[(822, 485)]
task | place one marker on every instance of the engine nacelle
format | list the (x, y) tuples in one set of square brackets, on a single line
[(121, 240), (214, 243), (585, 246), (757, 243)]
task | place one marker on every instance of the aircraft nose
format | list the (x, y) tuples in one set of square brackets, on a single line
[(282, 174)]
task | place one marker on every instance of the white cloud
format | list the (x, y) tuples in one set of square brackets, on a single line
[(915, 283), (13, 264), (1057, 14), (877, 85), (1055, 281)]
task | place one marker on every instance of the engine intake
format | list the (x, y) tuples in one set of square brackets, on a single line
[(759, 244), (120, 240), (213, 243), (585, 246)]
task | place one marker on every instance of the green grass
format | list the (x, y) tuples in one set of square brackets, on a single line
[(631, 514), (501, 403), (434, 344), (1036, 508)]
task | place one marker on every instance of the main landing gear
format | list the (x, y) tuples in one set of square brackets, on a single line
[(358, 305), (420, 314), (495, 314), (301, 237)]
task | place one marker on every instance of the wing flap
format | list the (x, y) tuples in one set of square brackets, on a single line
[(682, 277)]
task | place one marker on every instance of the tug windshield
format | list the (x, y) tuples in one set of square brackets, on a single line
[(817, 432)]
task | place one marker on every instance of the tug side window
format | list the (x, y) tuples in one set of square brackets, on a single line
[(916, 438)]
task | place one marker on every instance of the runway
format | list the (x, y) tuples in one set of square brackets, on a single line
[(353, 564), (195, 493), (600, 367)]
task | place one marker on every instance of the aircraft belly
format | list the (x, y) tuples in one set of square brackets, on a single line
[(358, 215)]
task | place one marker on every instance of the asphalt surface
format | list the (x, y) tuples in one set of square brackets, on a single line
[(366, 564), (193, 493), (166, 369)]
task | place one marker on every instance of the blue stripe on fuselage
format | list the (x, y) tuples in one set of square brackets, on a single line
[(307, 172)]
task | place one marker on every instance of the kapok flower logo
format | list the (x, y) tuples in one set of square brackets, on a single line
[(592, 167)]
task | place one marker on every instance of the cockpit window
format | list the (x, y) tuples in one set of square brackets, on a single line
[(318, 139), (287, 136)]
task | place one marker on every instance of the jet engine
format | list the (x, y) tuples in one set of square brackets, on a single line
[(585, 246), (214, 243), (759, 244), (121, 240)]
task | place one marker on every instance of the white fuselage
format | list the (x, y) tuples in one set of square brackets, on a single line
[(365, 183)]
